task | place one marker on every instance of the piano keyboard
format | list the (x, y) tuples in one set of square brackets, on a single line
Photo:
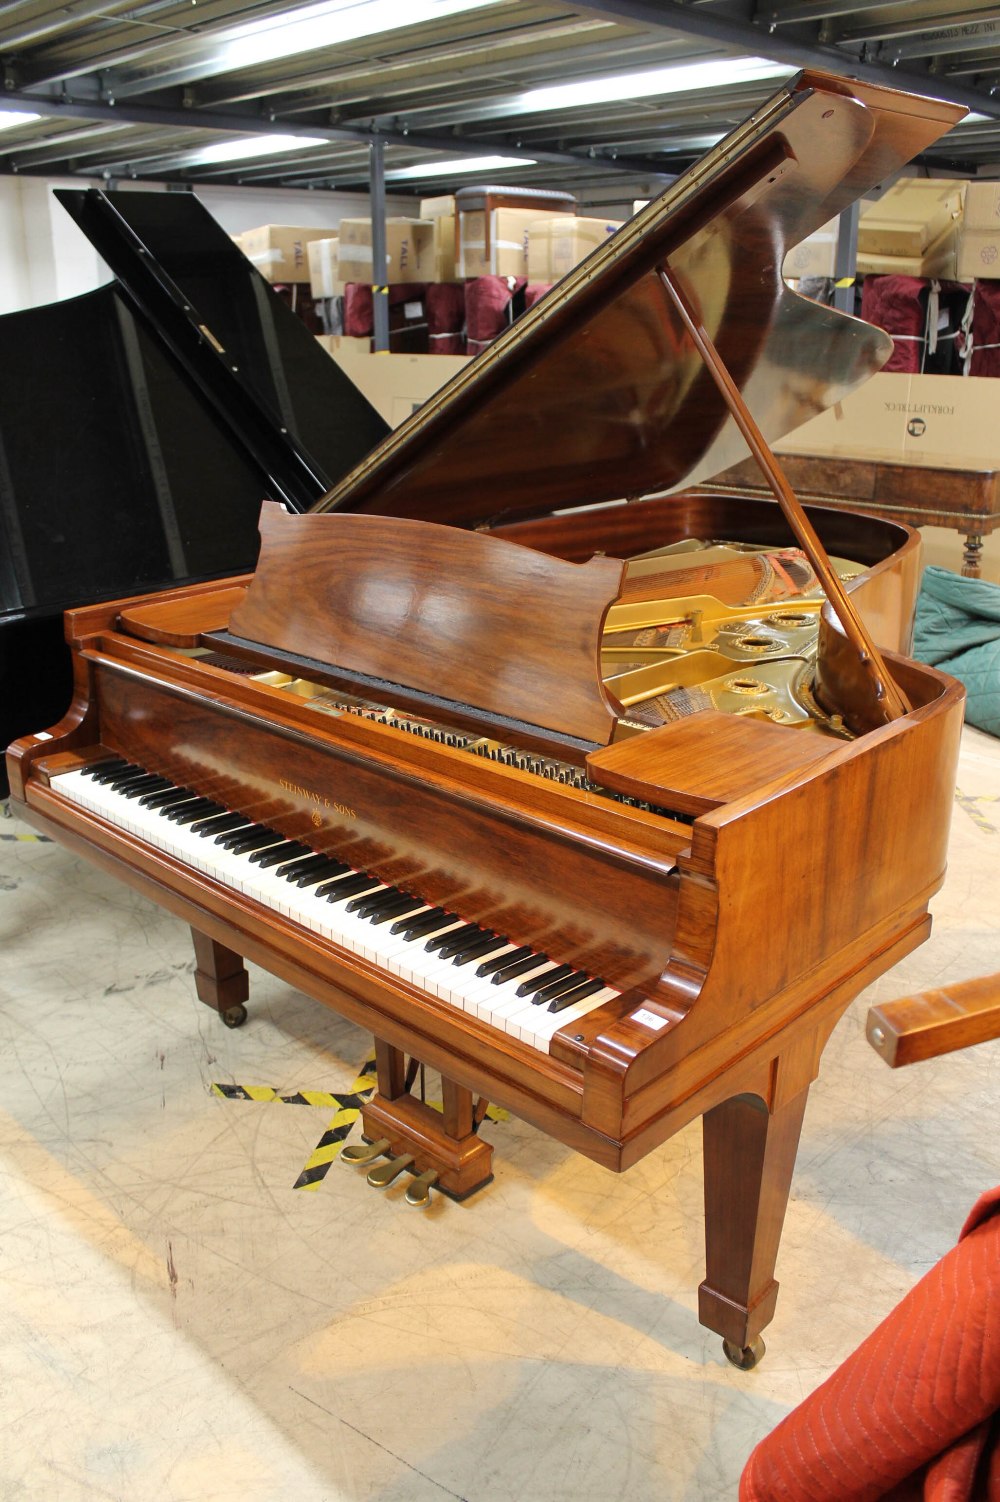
[(510, 986)]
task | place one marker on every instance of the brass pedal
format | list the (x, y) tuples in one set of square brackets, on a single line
[(419, 1192), (364, 1152), (382, 1177)]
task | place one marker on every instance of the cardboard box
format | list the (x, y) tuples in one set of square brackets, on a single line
[(911, 217), (409, 245), (494, 242), (396, 385), (444, 249), (280, 251), (939, 260), (324, 278), (979, 237), (814, 256), (943, 421), (442, 207), (333, 342), (562, 241)]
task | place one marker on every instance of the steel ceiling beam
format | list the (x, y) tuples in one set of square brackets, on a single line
[(798, 52), (130, 112)]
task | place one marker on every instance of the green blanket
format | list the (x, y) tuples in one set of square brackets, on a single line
[(958, 629)]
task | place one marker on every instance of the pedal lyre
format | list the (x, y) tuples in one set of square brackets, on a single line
[(364, 1152)]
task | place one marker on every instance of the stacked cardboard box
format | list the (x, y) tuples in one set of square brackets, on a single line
[(913, 229), (814, 256), (979, 239), (493, 225), (324, 273), (494, 242), (557, 244), (441, 213), (280, 251), (409, 245)]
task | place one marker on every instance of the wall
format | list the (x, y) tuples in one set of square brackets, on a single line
[(45, 258)]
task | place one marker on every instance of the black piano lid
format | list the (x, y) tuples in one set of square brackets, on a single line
[(132, 456), (599, 392)]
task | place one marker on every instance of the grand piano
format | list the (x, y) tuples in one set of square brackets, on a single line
[(142, 423), (603, 807)]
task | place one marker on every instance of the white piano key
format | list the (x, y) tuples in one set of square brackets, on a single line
[(408, 959)]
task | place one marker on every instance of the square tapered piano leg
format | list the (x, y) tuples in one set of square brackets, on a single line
[(749, 1157), (443, 1141), (220, 979)]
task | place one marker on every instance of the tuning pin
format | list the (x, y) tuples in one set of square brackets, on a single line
[(382, 1177), (419, 1191), (364, 1152)]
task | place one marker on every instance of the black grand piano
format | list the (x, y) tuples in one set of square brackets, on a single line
[(142, 424)]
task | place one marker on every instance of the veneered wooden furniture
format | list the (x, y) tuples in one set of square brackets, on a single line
[(919, 495), (454, 737), (936, 1022)]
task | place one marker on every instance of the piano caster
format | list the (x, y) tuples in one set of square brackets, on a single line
[(386, 1173), (364, 1152), (745, 1357), (419, 1192), (234, 1016)]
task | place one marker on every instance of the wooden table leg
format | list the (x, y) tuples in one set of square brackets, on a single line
[(972, 557), (749, 1157), (220, 979)]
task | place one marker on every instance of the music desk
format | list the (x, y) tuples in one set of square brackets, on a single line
[(967, 500)]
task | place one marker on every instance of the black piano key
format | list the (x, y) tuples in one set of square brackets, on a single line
[(500, 960), (187, 813), (320, 873), (286, 851), (344, 887), (150, 784), (192, 807), (526, 987), (476, 951), (364, 900), (454, 944), (511, 972), (166, 799), (456, 934), (569, 998), (256, 837), (288, 870), (116, 764), (397, 909), (423, 923), (110, 770), (126, 779), (218, 824), (555, 987), (382, 902)]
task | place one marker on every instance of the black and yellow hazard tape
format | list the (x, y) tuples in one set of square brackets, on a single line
[(346, 1105), (969, 801), (17, 834)]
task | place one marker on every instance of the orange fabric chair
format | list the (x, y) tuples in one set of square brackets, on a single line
[(914, 1414)]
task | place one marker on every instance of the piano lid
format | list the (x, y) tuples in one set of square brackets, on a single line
[(599, 392), (132, 456)]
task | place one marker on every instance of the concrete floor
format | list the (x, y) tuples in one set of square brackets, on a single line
[(179, 1324)]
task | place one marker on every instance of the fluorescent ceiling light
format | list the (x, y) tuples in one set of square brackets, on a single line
[(10, 118), (462, 164), (314, 26), (251, 146), (685, 79)]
